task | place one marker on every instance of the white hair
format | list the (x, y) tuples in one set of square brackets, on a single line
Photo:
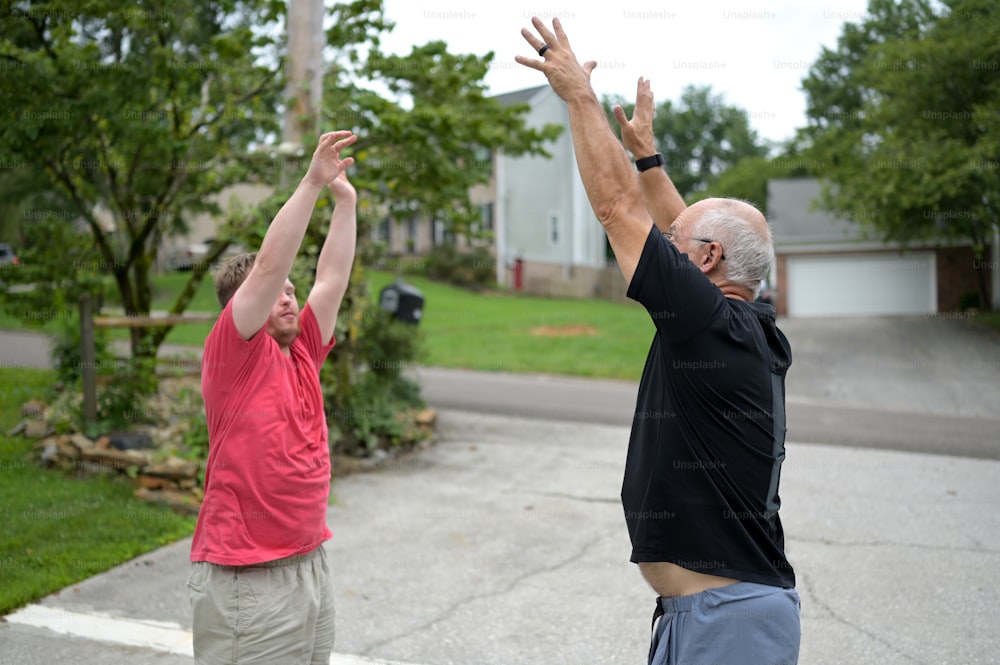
[(749, 254)]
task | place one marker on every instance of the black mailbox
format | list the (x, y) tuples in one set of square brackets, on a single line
[(404, 301)]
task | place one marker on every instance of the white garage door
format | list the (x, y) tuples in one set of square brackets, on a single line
[(862, 285)]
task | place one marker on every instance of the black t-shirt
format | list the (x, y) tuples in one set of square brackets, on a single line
[(708, 437)]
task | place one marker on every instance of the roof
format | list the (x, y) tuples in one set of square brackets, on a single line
[(520, 96)]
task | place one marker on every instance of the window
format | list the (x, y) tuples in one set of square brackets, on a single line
[(486, 213)]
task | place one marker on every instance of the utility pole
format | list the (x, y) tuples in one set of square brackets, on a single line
[(304, 86)]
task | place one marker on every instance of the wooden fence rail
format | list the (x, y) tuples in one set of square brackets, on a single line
[(88, 354)]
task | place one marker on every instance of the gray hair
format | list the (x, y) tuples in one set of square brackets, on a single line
[(749, 254)]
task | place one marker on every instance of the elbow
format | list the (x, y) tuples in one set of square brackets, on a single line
[(609, 209), (617, 209)]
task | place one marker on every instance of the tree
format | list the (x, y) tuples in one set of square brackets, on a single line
[(426, 148), (135, 118), (904, 115), (420, 150), (747, 179), (700, 136)]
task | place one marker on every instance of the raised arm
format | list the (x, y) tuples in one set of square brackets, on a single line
[(258, 293), (662, 199), (605, 168), (333, 268)]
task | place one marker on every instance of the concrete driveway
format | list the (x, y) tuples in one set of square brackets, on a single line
[(920, 365)]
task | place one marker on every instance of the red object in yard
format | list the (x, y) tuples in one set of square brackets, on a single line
[(518, 274)]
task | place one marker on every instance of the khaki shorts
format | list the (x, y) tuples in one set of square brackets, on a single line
[(269, 613)]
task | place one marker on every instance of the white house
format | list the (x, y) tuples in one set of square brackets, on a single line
[(542, 218)]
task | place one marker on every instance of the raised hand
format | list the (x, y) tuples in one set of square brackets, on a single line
[(341, 187), (568, 78), (326, 163), (637, 133)]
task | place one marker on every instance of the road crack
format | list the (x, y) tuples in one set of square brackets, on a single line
[(454, 607), (808, 588)]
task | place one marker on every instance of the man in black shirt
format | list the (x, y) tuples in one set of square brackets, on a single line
[(700, 491)]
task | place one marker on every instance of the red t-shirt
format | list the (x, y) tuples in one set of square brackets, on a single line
[(267, 480)]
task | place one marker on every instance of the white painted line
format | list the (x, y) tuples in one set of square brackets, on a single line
[(155, 635), (159, 636)]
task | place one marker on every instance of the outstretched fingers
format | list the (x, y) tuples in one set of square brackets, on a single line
[(560, 35), (344, 142)]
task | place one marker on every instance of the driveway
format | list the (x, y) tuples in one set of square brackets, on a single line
[(920, 365)]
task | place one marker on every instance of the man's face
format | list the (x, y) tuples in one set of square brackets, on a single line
[(283, 323)]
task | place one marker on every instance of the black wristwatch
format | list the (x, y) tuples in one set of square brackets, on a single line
[(647, 163)]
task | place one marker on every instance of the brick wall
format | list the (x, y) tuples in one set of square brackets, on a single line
[(958, 273)]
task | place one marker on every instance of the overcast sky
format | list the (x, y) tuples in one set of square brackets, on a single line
[(754, 53)]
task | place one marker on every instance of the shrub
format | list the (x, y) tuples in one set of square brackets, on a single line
[(969, 300), (368, 407), (473, 268)]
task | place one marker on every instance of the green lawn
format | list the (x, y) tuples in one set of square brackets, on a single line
[(495, 331), (58, 529), (505, 332)]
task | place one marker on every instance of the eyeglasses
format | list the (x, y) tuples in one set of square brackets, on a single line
[(670, 235)]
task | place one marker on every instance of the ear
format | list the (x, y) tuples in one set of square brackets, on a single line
[(711, 257)]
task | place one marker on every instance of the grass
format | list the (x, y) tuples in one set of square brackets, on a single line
[(503, 331), (166, 287), (492, 331), (59, 529), (991, 319)]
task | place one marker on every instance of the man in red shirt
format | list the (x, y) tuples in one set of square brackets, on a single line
[(261, 588)]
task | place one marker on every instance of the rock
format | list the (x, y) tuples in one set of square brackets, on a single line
[(174, 468), (119, 460), (66, 447), (153, 483), (37, 429), (49, 453), (427, 417), (81, 443), (33, 409), (130, 440)]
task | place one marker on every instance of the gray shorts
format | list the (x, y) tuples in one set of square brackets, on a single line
[(731, 625), (279, 612)]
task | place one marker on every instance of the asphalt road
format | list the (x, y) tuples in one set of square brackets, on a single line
[(613, 402)]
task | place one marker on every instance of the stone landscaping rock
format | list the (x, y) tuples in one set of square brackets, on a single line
[(33, 409), (174, 469), (130, 440), (36, 429), (146, 453)]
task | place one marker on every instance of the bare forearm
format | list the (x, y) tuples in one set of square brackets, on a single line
[(605, 168), (284, 236), (337, 255), (662, 199), (609, 178)]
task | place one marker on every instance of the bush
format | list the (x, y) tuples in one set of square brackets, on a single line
[(474, 268), (371, 406), (969, 300)]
